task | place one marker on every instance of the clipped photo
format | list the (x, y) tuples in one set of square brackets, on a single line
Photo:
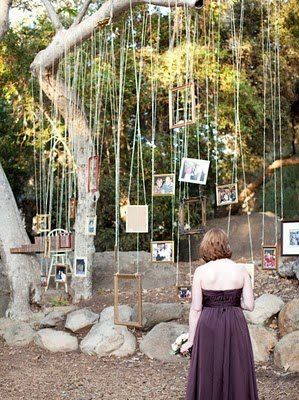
[(162, 251), (80, 266), (91, 225), (60, 273), (163, 185), (194, 171), (184, 292), (227, 194)]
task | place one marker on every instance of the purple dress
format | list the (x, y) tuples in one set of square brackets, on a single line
[(222, 366)]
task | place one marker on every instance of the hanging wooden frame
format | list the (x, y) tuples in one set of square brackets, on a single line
[(177, 114), (227, 194), (93, 174), (184, 229), (160, 254), (137, 278), (73, 207), (43, 223), (269, 257), (47, 247), (64, 240)]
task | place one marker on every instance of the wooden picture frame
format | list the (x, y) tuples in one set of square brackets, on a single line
[(226, 194), (64, 241), (184, 292), (43, 223), (93, 174), (157, 256), (184, 229), (80, 267), (289, 238), (136, 277), (181, 115), (72, 207), (269, 257), (91, 225), (137, 219), (164, 188), (194, 170), (47, 246)]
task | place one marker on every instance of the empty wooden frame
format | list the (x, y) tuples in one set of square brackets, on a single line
[(72, 207), (184, 229), (136, 277), (93, 174), (182, 106)]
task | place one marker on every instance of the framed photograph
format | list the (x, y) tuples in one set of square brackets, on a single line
[(162, 251), (72, 207), (43, 223), (194, 171), (80, 266), (65, 240), (269, 257), (182, 106), (60, 273), (227, 194), (163, 185), (137, 279), (91, 225), (93, 174), (290, 238), (184, 292), (137, 219)]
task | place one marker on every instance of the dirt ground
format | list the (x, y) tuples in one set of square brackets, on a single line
[(31, 373)]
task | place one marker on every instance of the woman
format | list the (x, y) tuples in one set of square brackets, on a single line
[(222, 366)]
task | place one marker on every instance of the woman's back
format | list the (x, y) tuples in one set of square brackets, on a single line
[(222, 274)]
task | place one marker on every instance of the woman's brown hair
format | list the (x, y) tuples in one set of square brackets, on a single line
[(215, 245)]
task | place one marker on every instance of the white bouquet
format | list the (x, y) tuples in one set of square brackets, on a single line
[(176, 346)]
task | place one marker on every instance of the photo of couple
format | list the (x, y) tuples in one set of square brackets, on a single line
[(164, 185), (227, 194), (194, 171)]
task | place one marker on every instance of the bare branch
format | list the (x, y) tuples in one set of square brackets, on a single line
[(82, 12), (53, 15), (4, 20)]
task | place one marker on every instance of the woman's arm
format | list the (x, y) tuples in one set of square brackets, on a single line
[(247, 300), (195, 310)]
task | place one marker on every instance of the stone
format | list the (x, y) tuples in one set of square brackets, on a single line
[(154, 313), (263, 340), (289, 268), (5, 323), (107, 339), (288, 318), (266, 306), (157, 343), (19, 334), (124, 314), (286, 352), (80, 319), (55, 341), (54, 318)]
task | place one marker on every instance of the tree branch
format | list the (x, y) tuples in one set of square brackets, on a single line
[(53, 15), (82, 12), (64, 41), (4, 16)]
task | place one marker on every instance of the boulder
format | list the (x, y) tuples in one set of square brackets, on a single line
[(107, 339), (288, 318), (289, 268), (54, 318), (266, 306), (286, 352), (157, 343), (19, 334), (124, 314), (5, 323), (80, 319), (153, 313), (263, 341), (55, 341)]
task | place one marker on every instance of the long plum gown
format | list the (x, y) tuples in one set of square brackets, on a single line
[(222, 366)]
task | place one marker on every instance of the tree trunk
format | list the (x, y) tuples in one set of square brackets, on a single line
[(69, 106), (22, 270)]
